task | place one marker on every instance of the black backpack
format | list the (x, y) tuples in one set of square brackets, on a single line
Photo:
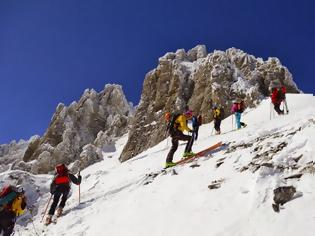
[(171, 126), (280, 94), (221, 115)]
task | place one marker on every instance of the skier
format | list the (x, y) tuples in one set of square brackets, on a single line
[(12, 205), (196, 122), (218, 116), (60, 186), (237, 108), (277, 97), (177, 125)]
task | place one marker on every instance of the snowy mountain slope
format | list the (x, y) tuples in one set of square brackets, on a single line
[(135, 198)]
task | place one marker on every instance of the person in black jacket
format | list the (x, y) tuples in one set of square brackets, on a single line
[(60, 187)]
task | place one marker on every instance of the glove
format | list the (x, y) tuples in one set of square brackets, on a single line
[(53, 188), (79, 178)]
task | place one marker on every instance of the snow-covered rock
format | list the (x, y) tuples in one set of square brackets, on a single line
[(95, 118)]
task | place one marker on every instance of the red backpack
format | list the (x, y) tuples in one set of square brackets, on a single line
[(62, 174)]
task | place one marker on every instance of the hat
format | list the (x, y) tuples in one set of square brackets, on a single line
[(188, 113), (167, 116)]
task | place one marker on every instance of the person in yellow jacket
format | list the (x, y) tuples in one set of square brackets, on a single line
[(12, 205), (179, 126)]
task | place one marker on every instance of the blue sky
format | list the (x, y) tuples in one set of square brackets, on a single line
[(51, 50)]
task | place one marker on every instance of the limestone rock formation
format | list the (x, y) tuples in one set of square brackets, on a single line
[(96, 118), (199, 79), (12, 153)]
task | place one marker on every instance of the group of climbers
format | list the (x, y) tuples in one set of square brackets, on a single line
[(178, 122), (13, 200)]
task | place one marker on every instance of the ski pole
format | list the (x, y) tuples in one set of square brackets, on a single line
[(46, 207), (80, 190), (31, 212), (270, 110), (233, 121), (286, 106)]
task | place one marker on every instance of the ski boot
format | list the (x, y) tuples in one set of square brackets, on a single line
[(48, 220), (188, 154), (59, 212), (169, 164)]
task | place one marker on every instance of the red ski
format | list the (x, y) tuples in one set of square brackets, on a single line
[(199, 154)]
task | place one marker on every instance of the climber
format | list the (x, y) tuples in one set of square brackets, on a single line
[(277, 97), (196, 122), (12, 205), (176, 127), (60, 186), (218, 116), (237, 108)]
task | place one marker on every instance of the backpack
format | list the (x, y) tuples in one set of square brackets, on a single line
[(241, 106), (13, 200), (61, 170), (171, 126), (280, 94), (221, 114), (199, 120), (61, 175)]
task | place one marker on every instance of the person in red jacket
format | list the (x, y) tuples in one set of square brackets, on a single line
[(277, 97), (60, 187)]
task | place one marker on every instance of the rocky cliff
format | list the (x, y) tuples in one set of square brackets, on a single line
[(199, 79), (78, 133)]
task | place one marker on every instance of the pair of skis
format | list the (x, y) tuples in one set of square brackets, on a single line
[(198, 154)]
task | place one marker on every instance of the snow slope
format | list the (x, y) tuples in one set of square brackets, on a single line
[(136, 198)]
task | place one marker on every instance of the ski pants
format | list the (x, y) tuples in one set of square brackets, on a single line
[(239, 124), (61, 191), (195, 132), (178, 135), (217, 124), (277, 108), (7, 222)]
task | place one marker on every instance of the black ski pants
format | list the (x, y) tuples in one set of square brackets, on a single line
[(7, 222), (217, 124), (277, 108), (63, 192), (178, 135), (195, 132)]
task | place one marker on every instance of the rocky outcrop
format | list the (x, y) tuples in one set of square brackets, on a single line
[(95, 120), (199, 79), (12, 153)]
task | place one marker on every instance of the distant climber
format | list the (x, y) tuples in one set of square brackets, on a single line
[(177, 125), (196, 122), (12, 205), (218, 116), (238, 108), (60, 187), (277, 97)]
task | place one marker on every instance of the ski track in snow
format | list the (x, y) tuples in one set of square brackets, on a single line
[(138, 198)]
